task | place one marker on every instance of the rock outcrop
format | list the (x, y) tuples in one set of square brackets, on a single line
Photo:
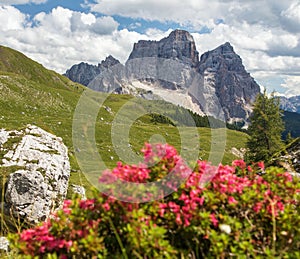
[(170, 69), (4, 244), (179, 45), (224, 71), (39, 171), (80, 190)]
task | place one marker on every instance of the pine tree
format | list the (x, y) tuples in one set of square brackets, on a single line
[(265, 129)]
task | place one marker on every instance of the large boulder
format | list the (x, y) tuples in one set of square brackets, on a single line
[(40, 171)]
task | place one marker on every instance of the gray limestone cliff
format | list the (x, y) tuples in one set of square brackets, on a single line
[(224, 71), (84, 73), (170, 69), (179, 45)]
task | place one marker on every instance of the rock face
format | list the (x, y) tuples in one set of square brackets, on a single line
[(40, 173), (170, 69), (291, 104), (84, 73), (223, 70), (179, 45)]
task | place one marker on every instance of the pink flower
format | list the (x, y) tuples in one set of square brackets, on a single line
[(257, 207), (280, 206), (106, 206), (87, 204), (162, 209), (261, 165), (239, 163), (186, 222), (232, 200), (178, 219), (249, 168), (214, 220), (67, 203)]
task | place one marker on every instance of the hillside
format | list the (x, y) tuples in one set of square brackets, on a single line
[(292, 124), (32, 94)]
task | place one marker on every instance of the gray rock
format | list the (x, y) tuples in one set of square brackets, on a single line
[(4, 244), (179, 45), (84, 73), (79, 190), (40, 183), (3, 136), (235, 89)]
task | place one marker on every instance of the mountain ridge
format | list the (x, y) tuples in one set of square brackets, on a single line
[(291, 104), (216, 84)]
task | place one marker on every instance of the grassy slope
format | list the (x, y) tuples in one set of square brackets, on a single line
[(29, 93)]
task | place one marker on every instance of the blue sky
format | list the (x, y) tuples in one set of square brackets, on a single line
[(60, 33)]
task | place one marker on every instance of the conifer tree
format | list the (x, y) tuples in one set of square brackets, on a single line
[(265, 129)]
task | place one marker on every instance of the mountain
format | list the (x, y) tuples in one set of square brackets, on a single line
[(291, 104), (224, 71), (84, 73), (217, 85)]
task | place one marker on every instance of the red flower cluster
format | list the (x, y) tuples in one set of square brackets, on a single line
[(47, 242), (207, 194)]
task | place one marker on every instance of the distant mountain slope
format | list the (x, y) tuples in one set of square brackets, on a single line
[(169, 69), (291, 104)]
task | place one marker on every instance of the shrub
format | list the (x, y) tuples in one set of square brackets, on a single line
[(226, 211)]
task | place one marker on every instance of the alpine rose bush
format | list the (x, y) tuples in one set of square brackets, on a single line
[(236, 210)]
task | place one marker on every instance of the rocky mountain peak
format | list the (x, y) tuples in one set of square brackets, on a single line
[(179, 45), (223, 70), (222, 57), (84, 73), (108, 62), (180, 35), (225, 48)]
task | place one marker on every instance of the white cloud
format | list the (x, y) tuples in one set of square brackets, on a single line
[(265, 34), (11, 18), (64, 37), (292, 84), (195, 12), (12, 2), (291, 17), (59, 20)]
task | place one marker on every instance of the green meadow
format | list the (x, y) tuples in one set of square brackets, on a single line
[(119, 125)]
